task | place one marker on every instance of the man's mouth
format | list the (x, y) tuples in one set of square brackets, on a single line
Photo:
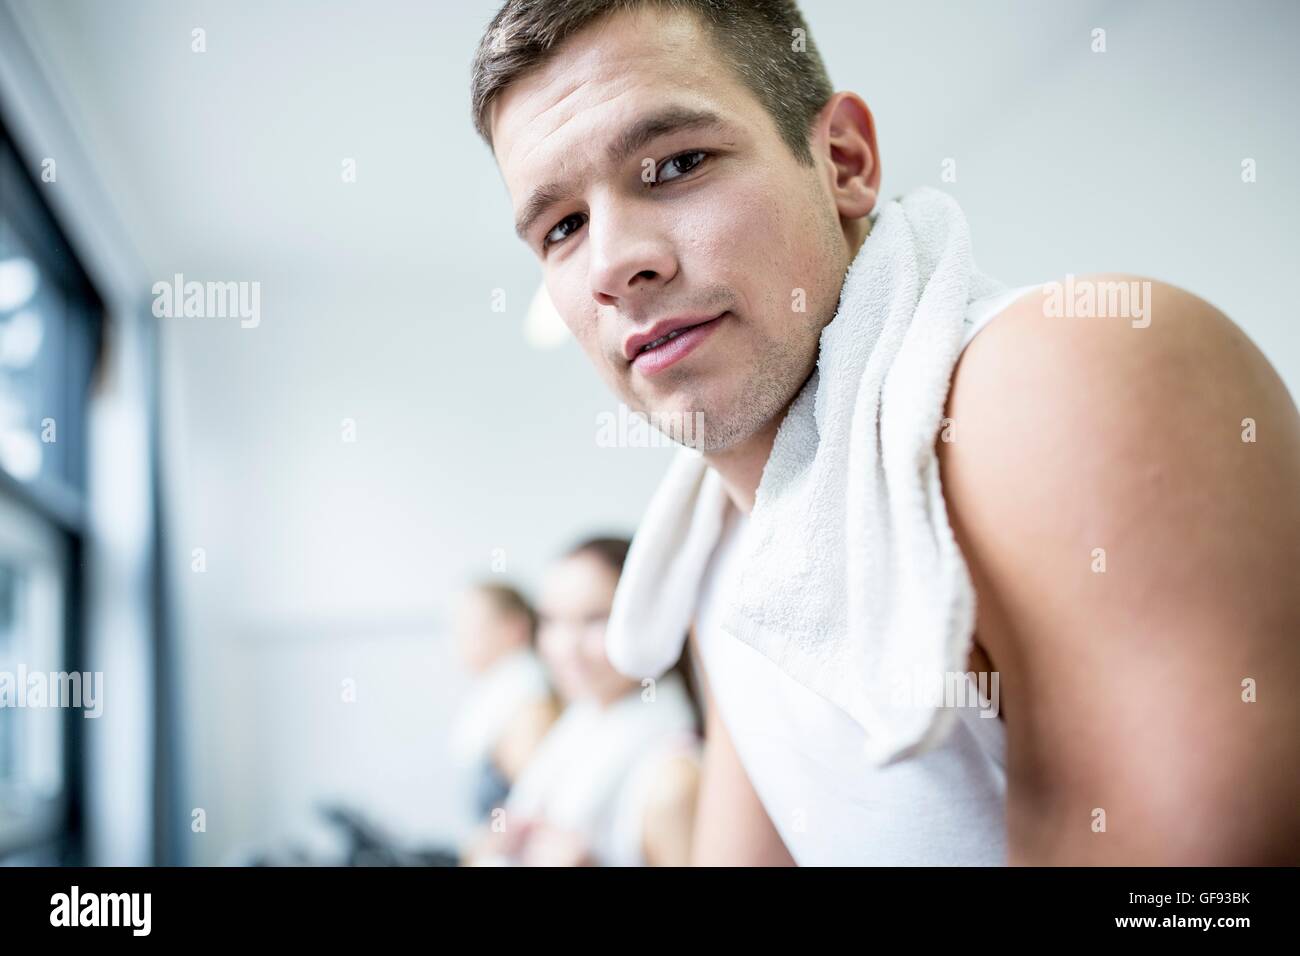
[(673, 346), (667, 338)]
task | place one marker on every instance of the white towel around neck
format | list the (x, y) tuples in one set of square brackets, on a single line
[(852, 582)]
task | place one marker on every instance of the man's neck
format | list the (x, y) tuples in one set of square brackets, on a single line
[(741, 466)]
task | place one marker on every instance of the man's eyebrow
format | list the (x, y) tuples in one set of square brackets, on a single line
[(636, 136)]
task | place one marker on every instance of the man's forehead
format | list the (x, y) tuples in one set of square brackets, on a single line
[(645, 41), (598, 81)]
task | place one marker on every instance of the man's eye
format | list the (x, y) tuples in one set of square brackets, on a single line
[(670, 169), (679, 165), (563, 229)]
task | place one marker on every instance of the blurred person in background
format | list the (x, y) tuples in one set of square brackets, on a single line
[(615, 781), (510, 705)]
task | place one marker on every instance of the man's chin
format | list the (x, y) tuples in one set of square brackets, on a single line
[(699, 429), (685, 426), (705, 423)]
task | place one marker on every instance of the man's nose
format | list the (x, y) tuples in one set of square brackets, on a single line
[(631, 255)]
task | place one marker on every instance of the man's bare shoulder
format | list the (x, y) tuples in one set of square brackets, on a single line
[(1063, 381), (1069, 424), (1081, 336)]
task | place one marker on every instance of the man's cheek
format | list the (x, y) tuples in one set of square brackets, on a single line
[(581, 325), (589, 339), (724, 227)]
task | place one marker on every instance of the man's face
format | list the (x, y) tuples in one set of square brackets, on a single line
[(731, 239)]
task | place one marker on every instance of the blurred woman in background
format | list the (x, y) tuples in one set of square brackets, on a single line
[(615, 781), (510, 705)]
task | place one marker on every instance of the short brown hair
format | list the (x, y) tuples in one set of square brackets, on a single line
[(780, 67)]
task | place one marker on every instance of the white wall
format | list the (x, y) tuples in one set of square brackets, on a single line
[(328, 560)]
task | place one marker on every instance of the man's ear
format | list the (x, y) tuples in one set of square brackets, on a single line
[(849, 138)]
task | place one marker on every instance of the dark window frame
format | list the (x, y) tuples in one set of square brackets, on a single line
[(60, 502)]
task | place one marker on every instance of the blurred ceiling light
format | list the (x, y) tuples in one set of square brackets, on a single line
[(18, 281), (543, 327), (20, 453), (20, 339)]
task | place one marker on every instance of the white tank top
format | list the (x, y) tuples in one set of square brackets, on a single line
[(592, 771), (804, 755)]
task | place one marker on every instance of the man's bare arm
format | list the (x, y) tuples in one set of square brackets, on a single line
[(1135, 556)]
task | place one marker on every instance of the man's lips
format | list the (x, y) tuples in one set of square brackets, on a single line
[(677, 340), (633, 344)]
